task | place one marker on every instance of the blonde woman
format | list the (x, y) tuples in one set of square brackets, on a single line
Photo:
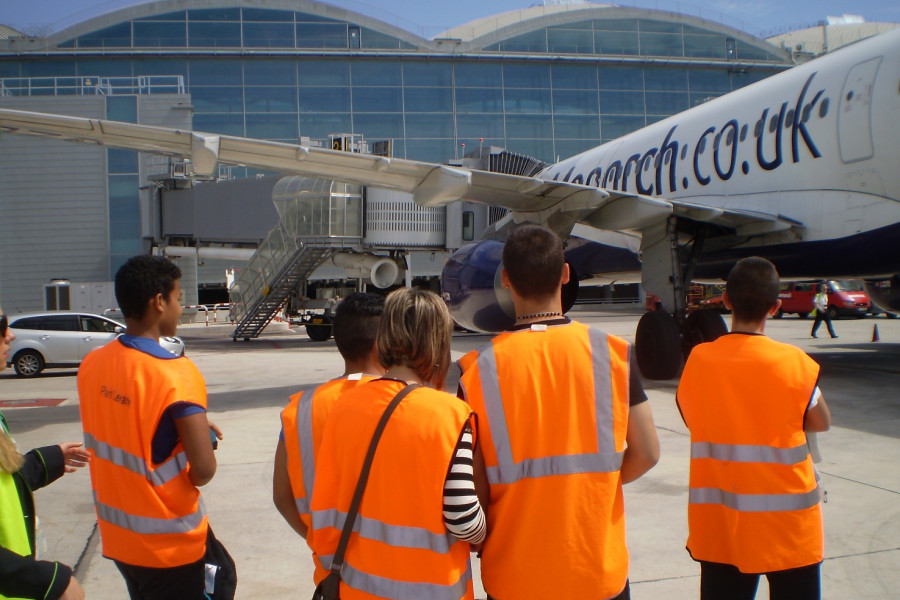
[(21, 576), (419, 513)]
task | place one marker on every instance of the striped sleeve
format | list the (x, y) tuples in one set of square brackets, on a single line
[(463, 515)]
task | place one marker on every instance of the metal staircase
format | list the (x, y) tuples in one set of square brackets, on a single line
[(305, 259), (316, 217)]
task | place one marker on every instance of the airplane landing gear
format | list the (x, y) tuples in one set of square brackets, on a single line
[(664, 337), (657, 343), (701, 326), (660, 342)]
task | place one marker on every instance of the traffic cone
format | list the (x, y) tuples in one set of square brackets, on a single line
[(875, 337)]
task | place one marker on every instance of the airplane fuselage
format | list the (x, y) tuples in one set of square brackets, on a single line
[(818, 146)]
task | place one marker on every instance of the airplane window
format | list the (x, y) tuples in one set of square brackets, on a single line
[(773, 124), (684, 151), (757, 131), (789, 118), (701, 147), (849, 95), (730, 139), (743, 134), (823, 108)]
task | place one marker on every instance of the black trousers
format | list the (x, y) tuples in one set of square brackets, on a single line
[(726, 582), (625, 595), (186, 582), (822, 316)]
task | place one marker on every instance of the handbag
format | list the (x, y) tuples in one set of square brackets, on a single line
[(330, 587), (220, 571)]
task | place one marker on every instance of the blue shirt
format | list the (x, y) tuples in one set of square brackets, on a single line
[(166, 437)]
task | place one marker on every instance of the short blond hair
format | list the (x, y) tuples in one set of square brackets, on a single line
[(415, 331)]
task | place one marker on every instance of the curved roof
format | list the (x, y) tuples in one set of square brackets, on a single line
[(488, 30), (161, 7), (477, 36)]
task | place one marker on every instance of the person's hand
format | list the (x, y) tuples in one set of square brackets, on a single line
[(74, 456), (73, 591), (216, 430)]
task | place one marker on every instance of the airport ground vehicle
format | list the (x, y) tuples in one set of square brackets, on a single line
[(59, 339), (846, 298)]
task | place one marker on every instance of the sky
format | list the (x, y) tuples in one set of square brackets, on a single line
[(428, 18)]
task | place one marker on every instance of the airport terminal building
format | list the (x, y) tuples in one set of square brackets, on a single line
[(544, 81)]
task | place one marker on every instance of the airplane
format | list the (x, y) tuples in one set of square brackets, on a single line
[(801, 168)]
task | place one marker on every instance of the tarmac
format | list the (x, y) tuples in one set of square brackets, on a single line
[(249, 383)]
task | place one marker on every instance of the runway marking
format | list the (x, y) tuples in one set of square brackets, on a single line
[(31, 402)]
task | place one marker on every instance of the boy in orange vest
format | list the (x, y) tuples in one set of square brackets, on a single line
[(143, 411), (748, 401)]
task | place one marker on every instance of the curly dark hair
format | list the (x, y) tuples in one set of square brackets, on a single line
[(356, 324), (141, 278)]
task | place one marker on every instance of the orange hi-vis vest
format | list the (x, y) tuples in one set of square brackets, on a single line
[(400, 547), (552, 405), (754, 501), (149, 515), (303, 423)]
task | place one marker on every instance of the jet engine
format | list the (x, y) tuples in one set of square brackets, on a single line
[(382, 271), (471, 286), (885, 293)]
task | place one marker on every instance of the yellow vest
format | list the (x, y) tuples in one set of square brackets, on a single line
[(754, 501), (13, 533)]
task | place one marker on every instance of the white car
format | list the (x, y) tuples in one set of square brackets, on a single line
[(62, 339)]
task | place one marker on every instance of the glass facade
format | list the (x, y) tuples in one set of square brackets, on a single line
[(552, 92)]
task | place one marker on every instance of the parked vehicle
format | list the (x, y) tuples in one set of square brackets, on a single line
[(60, 339), (846, 298)]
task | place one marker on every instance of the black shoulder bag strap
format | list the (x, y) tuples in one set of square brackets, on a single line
[(329, 588)]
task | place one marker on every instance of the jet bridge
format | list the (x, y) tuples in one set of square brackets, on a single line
[(317, 217)]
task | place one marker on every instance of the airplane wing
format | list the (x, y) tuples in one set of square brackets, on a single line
[(430, 184)]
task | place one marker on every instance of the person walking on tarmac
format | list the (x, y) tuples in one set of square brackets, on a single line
[(564, 422), (21, 574), (303, 420), (419, 512), (820, 303), (143, 411), (753, 505)]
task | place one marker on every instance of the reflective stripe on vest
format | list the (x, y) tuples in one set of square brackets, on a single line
[(754, 502), (606, 460), (150, 525), (162, 474), (748, 453), (307, 457), (400, 536), (401, 590)]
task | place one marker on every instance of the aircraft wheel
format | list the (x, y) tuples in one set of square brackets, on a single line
[(658, 345), (701, 326), (319, 329)]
